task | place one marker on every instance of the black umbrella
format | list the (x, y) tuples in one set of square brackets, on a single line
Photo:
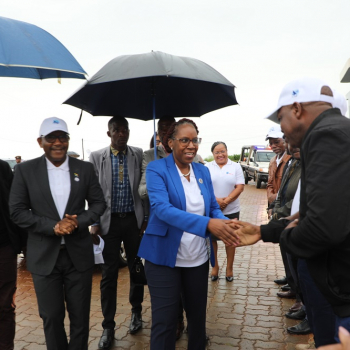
[(143, 86)]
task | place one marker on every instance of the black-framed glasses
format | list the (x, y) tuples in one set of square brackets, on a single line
[(51, 138), (186, 140)]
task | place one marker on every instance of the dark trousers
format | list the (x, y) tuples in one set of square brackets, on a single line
[(319, 312), (121, 230), (64, 285), (289, 275), (8, 281), (165, 285)]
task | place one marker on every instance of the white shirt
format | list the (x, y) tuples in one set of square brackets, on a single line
[(224, 181), (278, 160), (59, 180), (193, 249), (296, 201)]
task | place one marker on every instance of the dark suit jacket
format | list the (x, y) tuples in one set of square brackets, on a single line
[(32, 207), (16, 235), (322, 236)]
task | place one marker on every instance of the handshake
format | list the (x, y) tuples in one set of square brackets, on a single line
[(237, 233)]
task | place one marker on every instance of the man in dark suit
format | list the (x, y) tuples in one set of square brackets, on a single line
[(12, 239), (47, 198), (118, 168)]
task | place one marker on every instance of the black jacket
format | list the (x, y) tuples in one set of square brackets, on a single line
[(10, 233), (322, 237)]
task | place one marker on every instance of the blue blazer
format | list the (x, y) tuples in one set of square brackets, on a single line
[(168, 217)]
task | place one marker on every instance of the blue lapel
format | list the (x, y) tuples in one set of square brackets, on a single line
[(174, 175), (201, 181)]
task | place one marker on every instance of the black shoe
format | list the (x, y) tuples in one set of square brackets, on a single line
[(288, 295), (301, 328), (135, 323), (229, 278), (285, 288), (297, 315), (281, 281), (214, 278), (106, 339)]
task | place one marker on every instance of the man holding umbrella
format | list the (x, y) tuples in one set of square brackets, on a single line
[(118, 168)]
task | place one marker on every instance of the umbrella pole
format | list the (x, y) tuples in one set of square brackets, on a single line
[(154, 127)]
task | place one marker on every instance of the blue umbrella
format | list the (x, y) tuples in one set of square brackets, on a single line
[(27, 51)]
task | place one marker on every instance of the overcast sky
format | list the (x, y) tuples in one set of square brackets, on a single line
[(258, 45)]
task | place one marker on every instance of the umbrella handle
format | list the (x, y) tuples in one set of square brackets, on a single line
[(154, 128)]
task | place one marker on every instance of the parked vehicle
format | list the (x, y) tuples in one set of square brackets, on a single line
[(11, 161), (255, 162)]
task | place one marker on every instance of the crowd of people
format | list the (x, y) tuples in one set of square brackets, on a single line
[(172, 212)]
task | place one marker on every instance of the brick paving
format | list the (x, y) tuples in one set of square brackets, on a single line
[(245, 314)]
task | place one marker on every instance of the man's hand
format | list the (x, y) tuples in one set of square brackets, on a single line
[(344, 337), (143, 227), (293, 224), (269, 213), (95, 232), (248, 234), (226, 233), (66, 226)]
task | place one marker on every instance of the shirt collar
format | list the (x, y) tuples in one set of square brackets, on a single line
[(229, 161), (116, 152), (64, 166)]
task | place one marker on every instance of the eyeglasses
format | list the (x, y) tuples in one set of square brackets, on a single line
[(219, 152), (52, 138), (186, 140), (157, 142)]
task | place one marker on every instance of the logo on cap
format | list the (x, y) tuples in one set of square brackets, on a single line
[(295, 92), (56, 121)]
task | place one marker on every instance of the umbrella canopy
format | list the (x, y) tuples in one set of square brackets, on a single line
[(155, 83), (27, 51)]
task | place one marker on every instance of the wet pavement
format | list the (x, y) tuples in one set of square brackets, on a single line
[(245, 314)]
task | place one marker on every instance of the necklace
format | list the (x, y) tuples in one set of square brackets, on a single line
[(185, 175)]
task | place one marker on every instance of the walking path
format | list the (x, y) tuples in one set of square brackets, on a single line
[(242, 315)]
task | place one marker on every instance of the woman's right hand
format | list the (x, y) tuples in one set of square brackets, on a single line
[(220, 229)]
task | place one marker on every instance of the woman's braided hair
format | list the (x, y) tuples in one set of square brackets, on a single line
[(173, 131), (217, 143)]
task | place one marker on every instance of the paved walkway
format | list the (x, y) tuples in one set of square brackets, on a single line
[(245, 314)]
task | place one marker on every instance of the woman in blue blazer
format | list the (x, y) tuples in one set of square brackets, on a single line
[(176, 243)]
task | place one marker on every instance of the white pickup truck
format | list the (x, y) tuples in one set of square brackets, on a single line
[(255, 162)]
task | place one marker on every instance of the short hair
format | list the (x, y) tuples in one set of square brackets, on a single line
[(217, 143), (117, 119), (173, 131), (164, 118)]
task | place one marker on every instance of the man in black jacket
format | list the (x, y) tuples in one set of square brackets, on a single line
[(321, 237), (12, 239)]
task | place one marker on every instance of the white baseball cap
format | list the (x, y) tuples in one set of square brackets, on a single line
[(301, 90), (52, 124), (340, 102), (274, 133)]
